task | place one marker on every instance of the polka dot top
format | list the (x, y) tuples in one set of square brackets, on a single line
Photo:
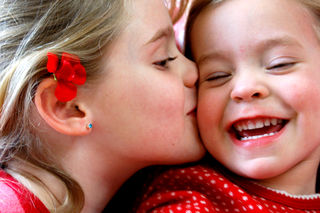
[(201, 189)]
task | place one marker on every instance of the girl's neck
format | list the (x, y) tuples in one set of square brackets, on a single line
[(100, 180)]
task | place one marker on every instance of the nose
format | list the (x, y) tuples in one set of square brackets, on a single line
[(249, 88), (190, 73), (189, 78)]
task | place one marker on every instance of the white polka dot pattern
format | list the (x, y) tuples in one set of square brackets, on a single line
[(201, 189)]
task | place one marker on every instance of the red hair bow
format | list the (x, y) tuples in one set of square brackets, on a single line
[(68, 73)]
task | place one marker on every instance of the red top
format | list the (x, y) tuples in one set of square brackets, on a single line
[(201, 189), (15, 198)]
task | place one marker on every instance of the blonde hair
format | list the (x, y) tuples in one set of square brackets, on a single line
[(28, 30), (177, 8)]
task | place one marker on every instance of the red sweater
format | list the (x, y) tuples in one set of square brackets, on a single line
[(15, 198), (201, 189)]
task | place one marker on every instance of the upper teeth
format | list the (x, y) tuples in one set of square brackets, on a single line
[(256, 123)]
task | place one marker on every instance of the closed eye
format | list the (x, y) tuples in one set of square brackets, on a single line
[(217, 78), (281, 66), (164, 63)]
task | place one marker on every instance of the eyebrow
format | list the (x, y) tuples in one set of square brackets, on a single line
[(263, 45), (164, 32), (278, 41), (212, 55)]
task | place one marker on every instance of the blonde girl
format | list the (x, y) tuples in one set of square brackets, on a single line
[(90, 92)]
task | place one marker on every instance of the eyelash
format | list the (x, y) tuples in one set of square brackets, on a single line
[(281, 65), (164, 63), (218, 77)]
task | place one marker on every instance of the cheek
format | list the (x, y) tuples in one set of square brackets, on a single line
[(304, 99), (159, 109), (210, 110), (146, 118), (304, 95)]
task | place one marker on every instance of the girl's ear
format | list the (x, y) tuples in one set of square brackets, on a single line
[(70, 118)]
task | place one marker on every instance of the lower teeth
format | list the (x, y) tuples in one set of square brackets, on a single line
[(256, 136)]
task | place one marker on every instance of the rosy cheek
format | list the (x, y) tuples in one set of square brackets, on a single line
[(303, 95), (210, 110)]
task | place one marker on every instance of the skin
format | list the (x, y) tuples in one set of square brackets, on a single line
[(259, 62), (142, 110)]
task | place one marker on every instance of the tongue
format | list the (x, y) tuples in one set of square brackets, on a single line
[(260, 131)]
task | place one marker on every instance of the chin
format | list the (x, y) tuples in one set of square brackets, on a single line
[(259, 170), (259, 174)]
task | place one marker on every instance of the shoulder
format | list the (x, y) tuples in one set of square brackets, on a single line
[(181, 189), (9, 199), (188, 178), (176, 201), (16, 198)]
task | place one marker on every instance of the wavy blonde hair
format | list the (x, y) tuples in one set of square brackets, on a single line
[(177, 8), (28, 30)]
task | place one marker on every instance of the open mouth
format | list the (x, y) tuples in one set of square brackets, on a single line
[(252, 129)]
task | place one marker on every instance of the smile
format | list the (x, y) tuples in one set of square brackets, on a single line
[(252, 129)]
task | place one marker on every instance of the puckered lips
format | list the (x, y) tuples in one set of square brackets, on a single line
[(256, 128)]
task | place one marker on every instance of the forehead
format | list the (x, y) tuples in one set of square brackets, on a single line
[(148, 14), (144, 19), (252, 20), (262, 14)]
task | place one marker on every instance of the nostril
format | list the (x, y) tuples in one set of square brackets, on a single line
[(256, 95), (249, 91), (247, 96)]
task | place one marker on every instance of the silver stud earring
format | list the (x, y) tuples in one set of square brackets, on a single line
[(89, 126)]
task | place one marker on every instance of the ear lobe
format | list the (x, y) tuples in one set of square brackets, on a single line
[(67, 118)]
